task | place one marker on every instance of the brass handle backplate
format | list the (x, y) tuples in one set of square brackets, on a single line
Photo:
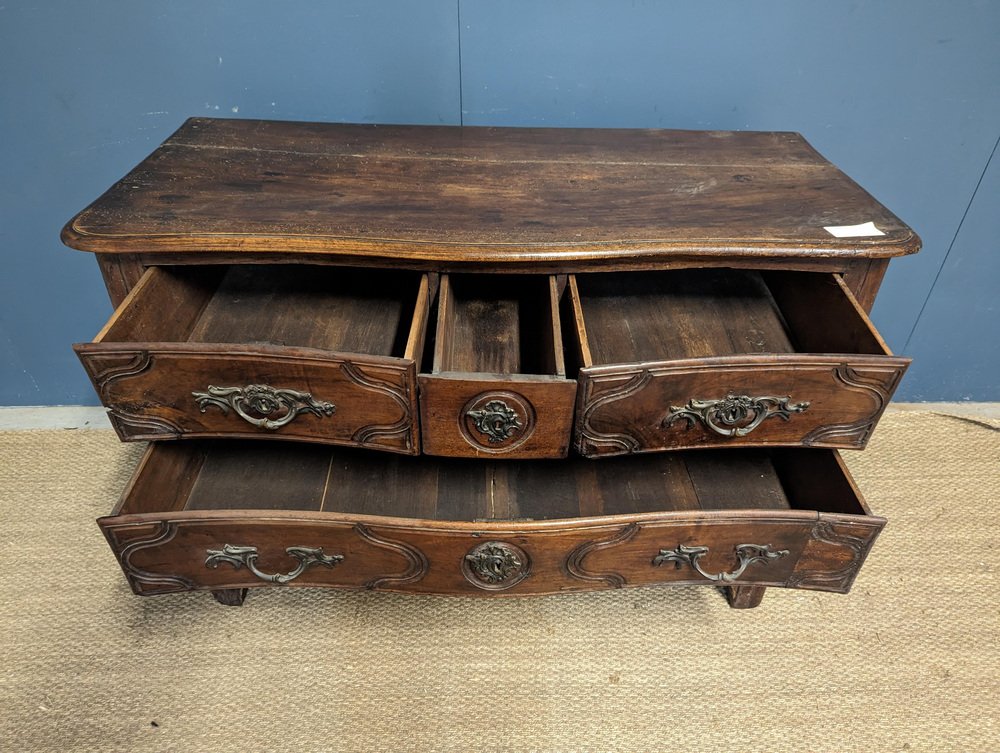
[(246, 556), (263, 406), (733, 415), (496, 420), (746, 555), (495, 565)]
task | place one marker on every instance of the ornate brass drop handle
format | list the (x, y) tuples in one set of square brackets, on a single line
[(747, 554), (246, 556), (265, 401), (727, 416)]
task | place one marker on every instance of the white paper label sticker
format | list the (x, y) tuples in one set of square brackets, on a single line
[(866, 229)]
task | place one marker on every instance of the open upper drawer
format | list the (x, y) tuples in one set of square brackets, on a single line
[(498, 383), (229, 515), (725, 357), (319, 354)]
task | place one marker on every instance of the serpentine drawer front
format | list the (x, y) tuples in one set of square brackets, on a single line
[(244, 514), (309, 353), (725, 357)]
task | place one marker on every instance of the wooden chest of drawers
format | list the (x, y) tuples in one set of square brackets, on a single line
[(459, 328)]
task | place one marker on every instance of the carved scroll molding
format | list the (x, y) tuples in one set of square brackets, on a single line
[(262, 405), (417, 561), (496, 565), (835, 580), (733, 415), (588, 439), (399, 394), (144, 581), (129, 426), (746, 555), (107, 368), (876, 385), (574, 562)]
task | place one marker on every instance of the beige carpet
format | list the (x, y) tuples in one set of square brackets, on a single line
[(907, 661)]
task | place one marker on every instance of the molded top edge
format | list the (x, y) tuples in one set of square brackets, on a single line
[(483, 195)]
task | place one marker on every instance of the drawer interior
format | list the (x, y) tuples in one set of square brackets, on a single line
[(498, 324), (701, 313), (329, 308), (242, 475)]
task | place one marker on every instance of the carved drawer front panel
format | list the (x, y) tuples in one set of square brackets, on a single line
[(498, 385), (726, 358), (823, 553), (211, 515), (261, 392), (207, 352), (496, 417), (221, 552), (813, 401), (713, 549)]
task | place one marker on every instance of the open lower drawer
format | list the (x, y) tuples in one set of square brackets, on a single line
[(320, 354), (498, 383), (724, 357), (230, 515)]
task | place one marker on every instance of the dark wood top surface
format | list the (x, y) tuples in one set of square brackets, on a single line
[(483, 195)]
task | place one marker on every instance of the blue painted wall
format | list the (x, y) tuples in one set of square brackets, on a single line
[(904, 96)]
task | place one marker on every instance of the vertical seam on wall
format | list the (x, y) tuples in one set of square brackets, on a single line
[(461, 103), (951, 245)]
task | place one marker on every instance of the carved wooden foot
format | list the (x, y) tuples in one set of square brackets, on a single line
[(231, 597), (745, 597)]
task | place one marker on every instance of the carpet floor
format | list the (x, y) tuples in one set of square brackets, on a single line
[(908, 661)]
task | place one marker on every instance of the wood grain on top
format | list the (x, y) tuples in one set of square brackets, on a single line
[(453, 195)]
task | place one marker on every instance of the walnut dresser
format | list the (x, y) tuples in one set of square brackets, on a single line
[(489, 361)]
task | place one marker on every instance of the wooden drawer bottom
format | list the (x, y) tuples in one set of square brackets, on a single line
[(250, 514)]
